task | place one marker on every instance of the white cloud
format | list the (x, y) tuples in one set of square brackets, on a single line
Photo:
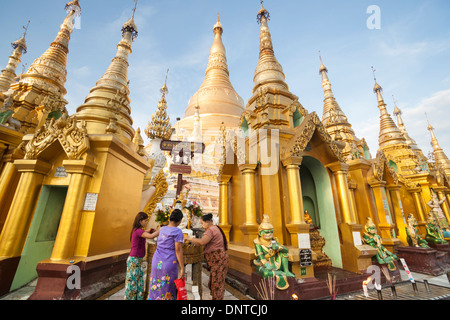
[(82, 72), (436, 109)]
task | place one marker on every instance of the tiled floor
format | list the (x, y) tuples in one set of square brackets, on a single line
[(230, 293)]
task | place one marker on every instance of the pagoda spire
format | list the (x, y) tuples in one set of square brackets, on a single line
[(389, 132), (8, 76), (107, 107), (216, 86), (439, 156), (268, 70), (334, 119), (159, 127), (401, 125), (49, 70)]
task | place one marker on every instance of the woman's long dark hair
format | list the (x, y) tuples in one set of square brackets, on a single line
[(137, 222), (209, 217)]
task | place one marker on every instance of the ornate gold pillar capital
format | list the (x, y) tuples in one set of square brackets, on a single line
[(245, 168), (337, 167), (35, 166), (377, 183), (393, 187), (80, 166), (292, 161), (224, 179)]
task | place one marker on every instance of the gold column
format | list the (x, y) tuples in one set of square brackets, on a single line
[(447, 195), (378, 188), (223, 205), (420, 212), (297, 224), (355, 257), (295, 189), (445, 206), (352, 187), (340, 172), (6, 180), (400, 219), (3, 147), (250, 226), (81, 172), (21, 212)]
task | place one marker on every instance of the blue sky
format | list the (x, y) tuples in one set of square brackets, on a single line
[(411, 53)]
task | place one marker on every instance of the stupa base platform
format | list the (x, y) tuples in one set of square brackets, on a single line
[(308, 288), (424, 260), (316, 288), (442, 248), (96, 277)]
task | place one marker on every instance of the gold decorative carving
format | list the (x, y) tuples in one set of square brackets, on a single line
[(72, 137), (161, 186), (310, 125)]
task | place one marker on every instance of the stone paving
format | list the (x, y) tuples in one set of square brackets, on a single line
[(230, 293)]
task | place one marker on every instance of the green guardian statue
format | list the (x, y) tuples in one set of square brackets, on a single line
[(371, 238), (271, 257), (434, 234)]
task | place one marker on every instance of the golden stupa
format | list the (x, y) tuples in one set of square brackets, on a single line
[(66, 181)]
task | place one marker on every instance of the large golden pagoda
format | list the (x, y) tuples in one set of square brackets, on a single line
[(216, 100)]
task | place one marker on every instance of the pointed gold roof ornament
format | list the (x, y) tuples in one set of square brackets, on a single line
[(268, 70), (55, 58), (323, 70), (401, 125), (439, 155), (390, 134), (335, 121), (130, 25), (216, 93), (8, 75), (159, 127), (107, 107)]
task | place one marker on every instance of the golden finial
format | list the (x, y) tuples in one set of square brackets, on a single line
[(218, 25), (159, 126), (21, 42), (130, 25), (397, 111), (322, 66), (262, 13), (377, 86), (164, 89), (26, 28), (73, 6), (430, 127), (135, 7)]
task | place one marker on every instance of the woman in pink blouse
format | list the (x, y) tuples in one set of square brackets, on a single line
[(134, 283), (216, 255)]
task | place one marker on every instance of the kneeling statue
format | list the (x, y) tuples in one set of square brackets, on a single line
[(371, 238), (434, 234), (271, 257), (412, 233)]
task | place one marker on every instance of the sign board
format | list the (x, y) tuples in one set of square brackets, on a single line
[(61, 172), (306, 258), (357, 238), (304, 241), (180, 169), (90, 202), (194, 147)]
